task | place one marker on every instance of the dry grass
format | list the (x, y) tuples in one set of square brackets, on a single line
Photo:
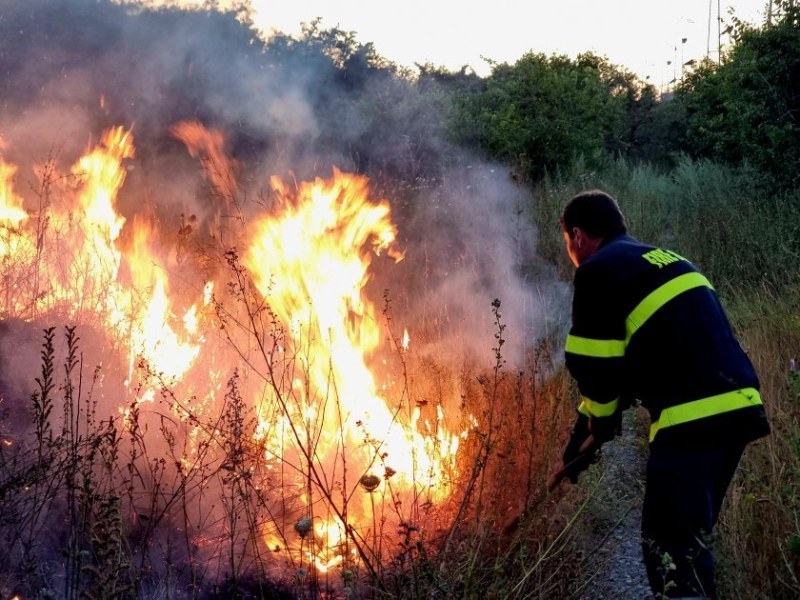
[(747, 243), (104, 506), (760, 525)]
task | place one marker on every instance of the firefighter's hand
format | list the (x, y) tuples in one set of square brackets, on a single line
[(577, 463), (580, 451), (605, 429)]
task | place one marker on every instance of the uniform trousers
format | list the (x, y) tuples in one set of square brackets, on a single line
[(684, 491)]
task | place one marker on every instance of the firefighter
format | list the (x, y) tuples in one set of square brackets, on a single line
[(647, 326)]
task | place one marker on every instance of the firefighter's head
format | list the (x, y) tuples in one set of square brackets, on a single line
[(589, 219)]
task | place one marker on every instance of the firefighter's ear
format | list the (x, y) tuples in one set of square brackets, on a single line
[(577, 236)]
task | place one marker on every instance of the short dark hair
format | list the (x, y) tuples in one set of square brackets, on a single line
[(595, 212)]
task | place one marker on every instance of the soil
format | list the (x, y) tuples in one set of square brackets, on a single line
[(613, 558)]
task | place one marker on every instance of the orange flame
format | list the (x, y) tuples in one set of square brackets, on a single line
[(11, 211), (209, 147), (310, 259), (77, 259), (311, 262)]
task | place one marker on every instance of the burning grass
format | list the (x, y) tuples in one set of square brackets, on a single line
[(167, 501), (231, 415)]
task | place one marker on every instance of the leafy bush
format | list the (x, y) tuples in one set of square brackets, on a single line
[(542, 112), (745, 109)]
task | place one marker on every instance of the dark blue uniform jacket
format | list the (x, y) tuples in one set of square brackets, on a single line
[(647, 325)]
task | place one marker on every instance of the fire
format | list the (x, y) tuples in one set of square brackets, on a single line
[(209, 146), (310, 260), (12, 216), (102, 174), (155, 334), (11, 211), (79, 258), (311, 263)]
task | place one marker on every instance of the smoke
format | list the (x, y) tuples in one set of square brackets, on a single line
[(473, 242), (288, 108)]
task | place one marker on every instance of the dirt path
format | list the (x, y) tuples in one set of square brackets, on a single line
[(614, 554)]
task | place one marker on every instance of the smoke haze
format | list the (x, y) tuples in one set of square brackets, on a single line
[(287, 109)]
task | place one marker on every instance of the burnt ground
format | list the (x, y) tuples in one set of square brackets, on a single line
[(613, 554)]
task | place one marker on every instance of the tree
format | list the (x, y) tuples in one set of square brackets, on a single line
[(544, 111), (746, 108)]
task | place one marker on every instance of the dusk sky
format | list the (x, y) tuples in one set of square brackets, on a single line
[(642, 35)]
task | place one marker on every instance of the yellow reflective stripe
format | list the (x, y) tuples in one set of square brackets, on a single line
[(584, 410), (705, 407), (593, 347), (659, 297), (598, 409)]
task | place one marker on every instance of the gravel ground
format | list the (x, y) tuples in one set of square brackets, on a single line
[(614, 552)]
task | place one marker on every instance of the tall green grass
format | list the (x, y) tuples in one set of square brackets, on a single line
[(747, 241), (723, 219)]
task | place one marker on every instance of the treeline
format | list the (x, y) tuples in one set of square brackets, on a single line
[(543, 112), (327, 94)]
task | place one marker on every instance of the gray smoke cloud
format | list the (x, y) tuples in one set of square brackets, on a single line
[(477, 243), (288, 110)]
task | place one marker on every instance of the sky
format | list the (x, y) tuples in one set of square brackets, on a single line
[(640, 35)]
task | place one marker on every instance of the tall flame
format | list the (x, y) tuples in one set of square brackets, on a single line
[(208, 146), (311, 262), (77, 259), (11, 211)]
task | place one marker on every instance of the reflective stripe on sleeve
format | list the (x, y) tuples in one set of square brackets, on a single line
[(705, 407), (602, 348), (660, 296), (590, 408), (593, 347)]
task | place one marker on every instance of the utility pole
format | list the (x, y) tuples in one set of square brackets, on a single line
[(683, 64), (719, 35)]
